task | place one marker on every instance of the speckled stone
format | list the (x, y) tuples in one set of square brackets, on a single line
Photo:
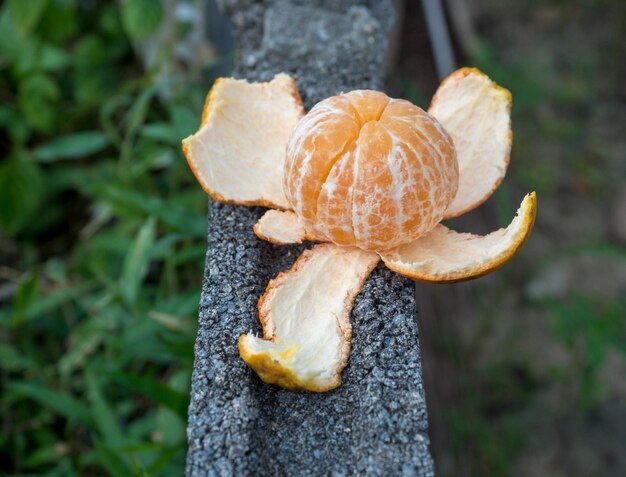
[(375, 423)]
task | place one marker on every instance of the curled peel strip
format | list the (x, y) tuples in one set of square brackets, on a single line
[(305, 313), (443, 255)]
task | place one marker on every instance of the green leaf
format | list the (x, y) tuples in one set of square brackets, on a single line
[(24, 297), (127, 202), (137, 113), (57, 401), (14, 41), (173, 322), (51, 58), (181, 348), (140, 430), (55, 270), (13, 360), (166, 456), (26, 13), (103, 414), (133, 120), (89, 52), (181, 304), (59, 21), (72, 146), (150, 156), (38, 97), (86, 337), (137, 261), (142, 17), (21, 193), (170, 424), (190, 254), (13, 122), (64, 468), (108, 115), (504, 205), (40, 57), (56, 299), (162, 132), (89, 74), (159, 392), (184, 120), (43, 455), (112, 461)]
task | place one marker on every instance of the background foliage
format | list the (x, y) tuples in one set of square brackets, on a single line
[(527, 364), (102, 241), (101, 245)]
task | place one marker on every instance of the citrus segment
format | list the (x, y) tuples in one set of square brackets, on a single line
[(238, 154), (305, 313), (368, 171), (477, 114), (368, 104), (420, 138), (280, 228), (375, 204), (334, 203), (318, 140), (443, 255)]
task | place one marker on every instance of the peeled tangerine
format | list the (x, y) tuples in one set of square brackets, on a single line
[(368, 171), (371, 175)]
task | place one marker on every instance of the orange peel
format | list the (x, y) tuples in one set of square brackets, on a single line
[(373, 176), (305, 313), (445, 256), (238, 153), (477, 114), (280, 228)]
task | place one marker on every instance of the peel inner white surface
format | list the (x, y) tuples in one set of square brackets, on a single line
[(305, 314), (238, 154), (477, 114), (443, 255), (280, 227)]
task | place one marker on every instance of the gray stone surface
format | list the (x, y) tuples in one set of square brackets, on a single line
[(375, 423)]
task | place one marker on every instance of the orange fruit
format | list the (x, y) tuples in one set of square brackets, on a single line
[(369, 171)]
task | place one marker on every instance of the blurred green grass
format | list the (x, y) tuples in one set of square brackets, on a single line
[(102, 242), (559, 90)]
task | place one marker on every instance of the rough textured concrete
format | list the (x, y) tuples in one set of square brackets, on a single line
[(375, 423)]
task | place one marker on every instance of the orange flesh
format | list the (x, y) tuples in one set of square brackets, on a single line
[(368, 171)]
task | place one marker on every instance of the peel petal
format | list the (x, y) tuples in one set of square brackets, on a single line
[(443, 255), (305, 313), (238, 154), (280, 228), (477, 114)]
